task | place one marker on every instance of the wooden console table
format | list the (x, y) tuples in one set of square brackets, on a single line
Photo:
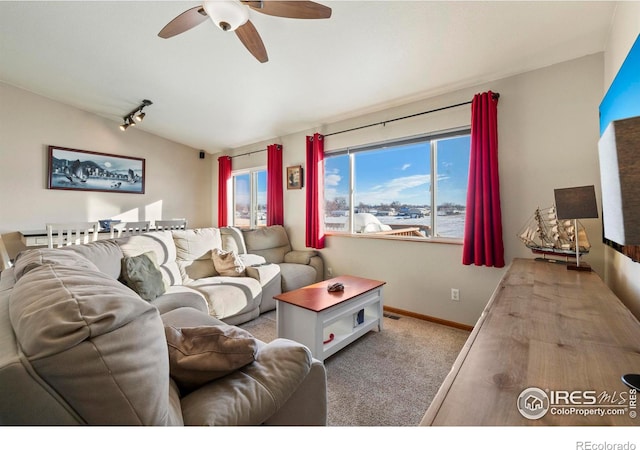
[(546, 327)]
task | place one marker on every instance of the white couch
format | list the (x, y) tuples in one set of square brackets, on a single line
[(77, 346), (186, 262)]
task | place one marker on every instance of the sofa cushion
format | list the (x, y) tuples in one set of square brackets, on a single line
[(250, 395), (264, 273), (249, 259), (270, 242), (201, 354), (193, 252), (178, 297), (295, 276), (227, 263), (229, 296), (142, 274), (105, 254), (159, 242), (300, 256), (30, 259), (95, 342), (232, 239)]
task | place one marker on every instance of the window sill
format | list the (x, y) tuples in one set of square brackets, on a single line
[(430, 240)]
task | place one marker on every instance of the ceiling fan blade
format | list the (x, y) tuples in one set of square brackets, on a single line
[(251, 39), (185, 21), (291, 9)]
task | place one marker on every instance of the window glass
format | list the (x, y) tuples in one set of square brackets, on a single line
[(390, 189), (336, 192), (453, 174), (250, 199), (242, 200), (391, 185), (261, 198)]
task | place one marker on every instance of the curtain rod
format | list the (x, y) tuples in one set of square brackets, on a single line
[(249, 153), (255, 151), (495, 97)]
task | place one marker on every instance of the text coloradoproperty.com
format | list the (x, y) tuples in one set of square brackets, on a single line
[(570, 410)]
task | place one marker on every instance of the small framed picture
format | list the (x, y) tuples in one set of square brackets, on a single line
[(294, 177)]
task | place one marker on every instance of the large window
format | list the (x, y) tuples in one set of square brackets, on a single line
[(250, 198), (391, 188)]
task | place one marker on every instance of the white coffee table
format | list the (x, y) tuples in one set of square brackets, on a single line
[(328, 321)]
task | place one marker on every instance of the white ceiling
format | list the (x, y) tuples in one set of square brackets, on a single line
[(210, 93)]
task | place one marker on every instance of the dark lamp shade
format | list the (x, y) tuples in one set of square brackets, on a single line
[(576, 203), (619, 152)]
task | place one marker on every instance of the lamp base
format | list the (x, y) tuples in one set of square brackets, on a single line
[(583, 267)]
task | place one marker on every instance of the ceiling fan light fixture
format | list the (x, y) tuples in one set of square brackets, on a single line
[(228, 15)]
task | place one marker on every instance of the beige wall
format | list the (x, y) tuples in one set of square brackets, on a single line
[(177, 183), (548, 134), (621, 273)]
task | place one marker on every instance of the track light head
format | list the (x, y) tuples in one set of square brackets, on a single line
[(126, 124), (137, 115)]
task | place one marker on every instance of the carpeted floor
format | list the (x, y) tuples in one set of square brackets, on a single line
[(385, 378)]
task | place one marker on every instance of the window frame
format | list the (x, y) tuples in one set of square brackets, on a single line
[(253, 195), (432, 138)]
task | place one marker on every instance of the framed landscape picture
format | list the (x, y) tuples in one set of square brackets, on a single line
[(83, 170), (294, 177)]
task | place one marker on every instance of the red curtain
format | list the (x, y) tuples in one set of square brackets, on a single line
[(314, 232), (224, 178), (483, 221), (275, 207)]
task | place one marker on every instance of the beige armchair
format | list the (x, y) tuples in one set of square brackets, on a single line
[(298, 267)]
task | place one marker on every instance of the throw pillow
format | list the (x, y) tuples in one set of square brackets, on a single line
[(142, 274), (198, 355), (227, 264)]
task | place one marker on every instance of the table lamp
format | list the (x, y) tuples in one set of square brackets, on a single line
[(573, 204)]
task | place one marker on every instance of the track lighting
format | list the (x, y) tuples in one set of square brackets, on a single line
[(126, 124), (135, 116)]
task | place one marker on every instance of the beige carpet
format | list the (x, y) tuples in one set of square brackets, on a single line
[(385, 378)]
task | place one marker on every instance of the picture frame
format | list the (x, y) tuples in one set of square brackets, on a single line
[(294, 177), (83, 170)]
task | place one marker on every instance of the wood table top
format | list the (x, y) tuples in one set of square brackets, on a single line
[(315, 297), (561, 331)]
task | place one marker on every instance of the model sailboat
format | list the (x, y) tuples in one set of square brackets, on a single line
[(545, 234)]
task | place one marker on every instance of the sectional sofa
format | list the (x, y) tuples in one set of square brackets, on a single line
[(139, 331)]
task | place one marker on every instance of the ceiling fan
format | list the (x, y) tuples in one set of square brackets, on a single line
[(233, 15)]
